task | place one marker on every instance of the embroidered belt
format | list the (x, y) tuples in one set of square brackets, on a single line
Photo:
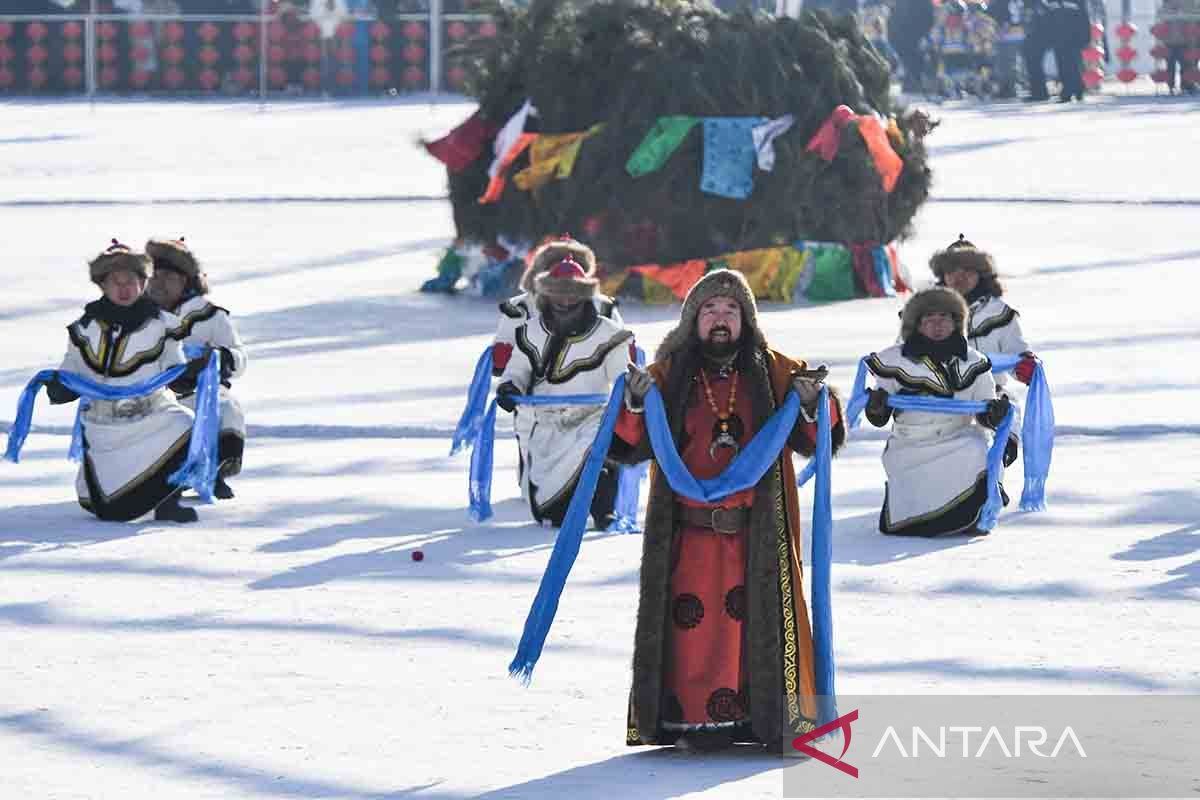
[(127, 409), (721, 520)]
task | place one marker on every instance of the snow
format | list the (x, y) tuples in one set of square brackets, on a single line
[(288, 645)]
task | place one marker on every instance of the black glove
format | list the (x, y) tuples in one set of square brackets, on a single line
[(997, 410), (227, 364), (58, 393), (185, 384), (506, 396), (878, 410), (1010, 451)]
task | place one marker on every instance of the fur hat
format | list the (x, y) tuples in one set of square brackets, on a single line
[(566, 279), (718, 283), (554, 252), (962, 254), (932, 300), (117, 257), (175, 254)]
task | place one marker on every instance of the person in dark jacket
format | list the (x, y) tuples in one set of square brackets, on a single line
[(910, 21)]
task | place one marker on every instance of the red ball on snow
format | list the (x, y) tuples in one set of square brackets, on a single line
[(417, 555)]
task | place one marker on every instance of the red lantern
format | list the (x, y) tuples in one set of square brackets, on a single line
[(414, 31), (1125, 31), (456, 76), (73, 76), (244, 76), (345, 30), (243, 31), (311, 32), (1159, 76), (208, 32), (414, 77), (6, 30), (1159, 30), (380, 54), (107, 53), (311, 77), (139, 53), (243, 53), (173, 32), (174, 78), (276, 32), (140, 78), (1092, 77), (209, 55), (37, 77), (381, 76), (1191, 75), (1097, 31), (71, 30), (140, 30), (6, 78), (173, 54), (487, 30), (1126, 75), (1159, 51), (414, 54), (1126, 54), (37, 31), (345, 77), (37, 54), (380, 31), (209, 79), (109, 76), (277, 77), (312, 52), (1093, 54), (456, 30), (345, 53), (6, 53), (72, 53), (1191, 54)]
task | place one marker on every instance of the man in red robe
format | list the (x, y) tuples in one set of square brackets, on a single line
[(723, 650)]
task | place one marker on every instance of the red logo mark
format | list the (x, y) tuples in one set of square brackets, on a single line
[(801, 743)]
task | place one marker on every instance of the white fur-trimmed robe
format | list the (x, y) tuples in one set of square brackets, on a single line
[(933, 461), (554, 440), (130, 444), (995, 327), (202, 323)]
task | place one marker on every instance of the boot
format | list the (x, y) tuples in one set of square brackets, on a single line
[(221, 490), (169, 510)]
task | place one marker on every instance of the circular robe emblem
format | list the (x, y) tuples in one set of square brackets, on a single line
[(735, 603), (725, 705), (688, 611)]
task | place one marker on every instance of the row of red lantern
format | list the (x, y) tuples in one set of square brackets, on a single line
[(1185, 36), (1093, 57), (456, 76), (37, 55)]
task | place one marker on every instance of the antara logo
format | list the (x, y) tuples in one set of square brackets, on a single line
[(1032, 736)]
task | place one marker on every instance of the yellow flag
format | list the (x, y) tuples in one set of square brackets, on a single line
[(552, 156)]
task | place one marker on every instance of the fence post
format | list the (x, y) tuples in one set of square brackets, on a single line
[(435, 46), (89, 49), (262, 51)]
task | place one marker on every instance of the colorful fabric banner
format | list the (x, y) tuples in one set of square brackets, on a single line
[(659, 144), (729, 156), (677, 278), (764, 139), (552, 156), (495, 186), (827, 140), (460, 147), (507, 138)]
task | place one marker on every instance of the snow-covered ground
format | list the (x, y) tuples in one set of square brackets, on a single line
[(288, 646)]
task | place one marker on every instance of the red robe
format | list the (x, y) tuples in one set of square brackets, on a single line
[(705, 676)]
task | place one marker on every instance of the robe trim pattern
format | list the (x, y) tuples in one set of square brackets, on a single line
[(948, 381), (990, 324), (939, 512), (193, 318), (110, 360), (560, 373)]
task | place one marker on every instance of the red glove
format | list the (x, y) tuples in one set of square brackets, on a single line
[(1025, 367)]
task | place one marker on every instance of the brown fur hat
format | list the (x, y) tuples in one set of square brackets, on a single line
[(552, 253), (928, 301), (117, 257), (175, 254), (718, 283), (567, 279), (962, 254)]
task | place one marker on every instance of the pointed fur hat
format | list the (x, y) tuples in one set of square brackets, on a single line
[(555, 252), (117, 257), (927, 301)]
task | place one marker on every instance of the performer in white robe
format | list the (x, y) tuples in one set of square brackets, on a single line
[(181, 286), (132, 445), (992, 325), (566, 348), (520, 309), (936, 464)]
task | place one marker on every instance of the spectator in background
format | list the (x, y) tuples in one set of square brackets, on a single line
[(909, 23), (328, 15)]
